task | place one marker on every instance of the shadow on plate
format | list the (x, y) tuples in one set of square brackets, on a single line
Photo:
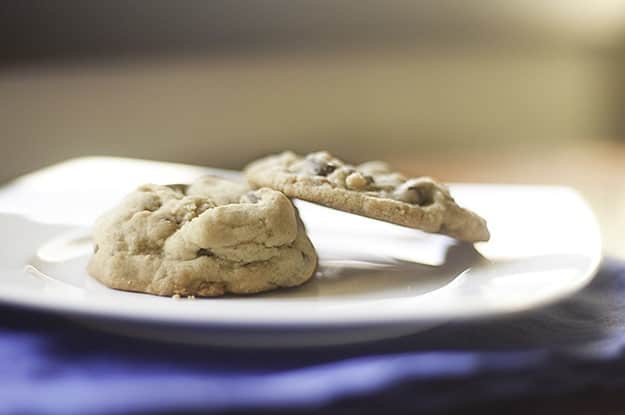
[(360, 278)]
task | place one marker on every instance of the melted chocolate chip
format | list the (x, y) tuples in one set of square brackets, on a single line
[(203, 252), (424, 195), (415, 191), (321, 168)]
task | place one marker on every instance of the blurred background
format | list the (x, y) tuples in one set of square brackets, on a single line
[(487, 91)]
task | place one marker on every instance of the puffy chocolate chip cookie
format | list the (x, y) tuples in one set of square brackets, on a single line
[(370, 189), (207, 239)]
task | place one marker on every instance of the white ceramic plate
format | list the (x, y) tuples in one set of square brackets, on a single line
[(375, 280)]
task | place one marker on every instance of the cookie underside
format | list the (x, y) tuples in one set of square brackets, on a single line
[(440, 214)]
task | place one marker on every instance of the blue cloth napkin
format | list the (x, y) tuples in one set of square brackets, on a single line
[(49, 365)]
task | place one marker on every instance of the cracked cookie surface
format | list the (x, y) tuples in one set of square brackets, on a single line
[(209, 238), (370, 189)]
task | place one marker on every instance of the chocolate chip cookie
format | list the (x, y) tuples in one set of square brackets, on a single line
[(207, 239), (370, 189)]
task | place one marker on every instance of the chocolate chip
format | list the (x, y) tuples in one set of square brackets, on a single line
[(96, 248), (321, 168), (424, 195), (415, 191), (203, 252)]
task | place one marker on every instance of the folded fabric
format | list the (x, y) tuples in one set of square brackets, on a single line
[(52, 366)]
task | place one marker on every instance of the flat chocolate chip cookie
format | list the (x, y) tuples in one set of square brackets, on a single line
[(207, 239), (370, 189)]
